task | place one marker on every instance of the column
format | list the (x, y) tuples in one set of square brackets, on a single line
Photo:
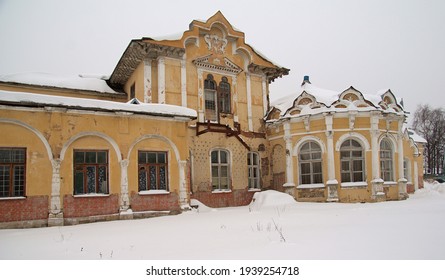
[(147, 81), (377, 182), (55, 217), (416, 176), (265, 102), (161, 80), (332, 182), (289, 185), (249, 102), (183, 83), (183, 198), (124, 202), (403, 194)]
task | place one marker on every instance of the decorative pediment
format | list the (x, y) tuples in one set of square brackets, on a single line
[(215, 63), (389, 102)]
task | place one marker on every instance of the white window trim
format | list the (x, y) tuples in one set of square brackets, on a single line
[(354, 185)]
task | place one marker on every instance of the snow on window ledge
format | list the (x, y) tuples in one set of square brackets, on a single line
[(254, 190), (151, 192), (389, 183), (92, 195), (12, 198), (288, 185), (354, 185), (311, 186), (221, 191)]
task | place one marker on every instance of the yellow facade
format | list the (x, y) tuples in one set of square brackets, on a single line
[(186, 118)]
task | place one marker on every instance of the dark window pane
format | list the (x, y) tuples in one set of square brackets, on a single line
[(306, 179), (161, 158), (358, 177), (162, 178), (101, 157), (316, 167), (4, 181), (90, 157), (142, 179), (345, 166), (5, 155), (19, 180), (151, 157), (79, 157), (153, 177), (78, 182), (103, 179), (142, 157), (318, 178), (91, 179), (305, 168), (345, 177), (215, 157), (223, 157)]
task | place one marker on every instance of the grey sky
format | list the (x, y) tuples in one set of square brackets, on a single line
[(371, 45)]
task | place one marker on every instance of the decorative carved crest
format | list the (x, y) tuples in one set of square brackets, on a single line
[(215, 43)]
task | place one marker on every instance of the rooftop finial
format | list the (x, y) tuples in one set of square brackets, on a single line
[(306, 80)]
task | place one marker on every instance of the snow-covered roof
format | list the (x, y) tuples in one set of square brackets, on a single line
[(311, 100), (416, 137), (41, 100), (77, 82)]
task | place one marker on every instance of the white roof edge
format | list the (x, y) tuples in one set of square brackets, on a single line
[(154, 109)]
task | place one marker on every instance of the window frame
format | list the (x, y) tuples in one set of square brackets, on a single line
[(350, 160), (387, 162), (254, 182), (220, 166), (157, 165), (82, 167), (224, 96), (210, 89), (15, 189), (310, 162)]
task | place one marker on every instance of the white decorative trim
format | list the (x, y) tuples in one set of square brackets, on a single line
[(311, 186), (92, 195), (153, 192), (303, 140), (354, 185), (357, 136)]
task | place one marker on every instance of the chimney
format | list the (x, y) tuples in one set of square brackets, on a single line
[(305, 80)]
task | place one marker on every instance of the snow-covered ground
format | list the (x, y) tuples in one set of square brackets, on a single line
[(273, 227)]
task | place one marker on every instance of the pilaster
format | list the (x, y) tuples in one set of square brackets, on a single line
[(161, 80), (265, 94), (124, 202), (55, 217), (377, 183), (183, 197), (332, 183), (183, 82), (289, 185), (200, 96), (403, 194), (147, 81)]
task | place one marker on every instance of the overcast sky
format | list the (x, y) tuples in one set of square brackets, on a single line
[(371, 45)]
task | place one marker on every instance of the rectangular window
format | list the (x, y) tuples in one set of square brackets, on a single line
[(12, 172), (220, 170), (254, 170), (153, 170), (90, 171)]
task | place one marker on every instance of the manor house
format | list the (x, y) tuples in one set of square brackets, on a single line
[(189, 118)]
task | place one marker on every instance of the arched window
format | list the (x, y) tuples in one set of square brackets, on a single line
[(210, 98), (220, 170), (352, 161), (310, 164), (386, 161), (253, 164), (224, 95)]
